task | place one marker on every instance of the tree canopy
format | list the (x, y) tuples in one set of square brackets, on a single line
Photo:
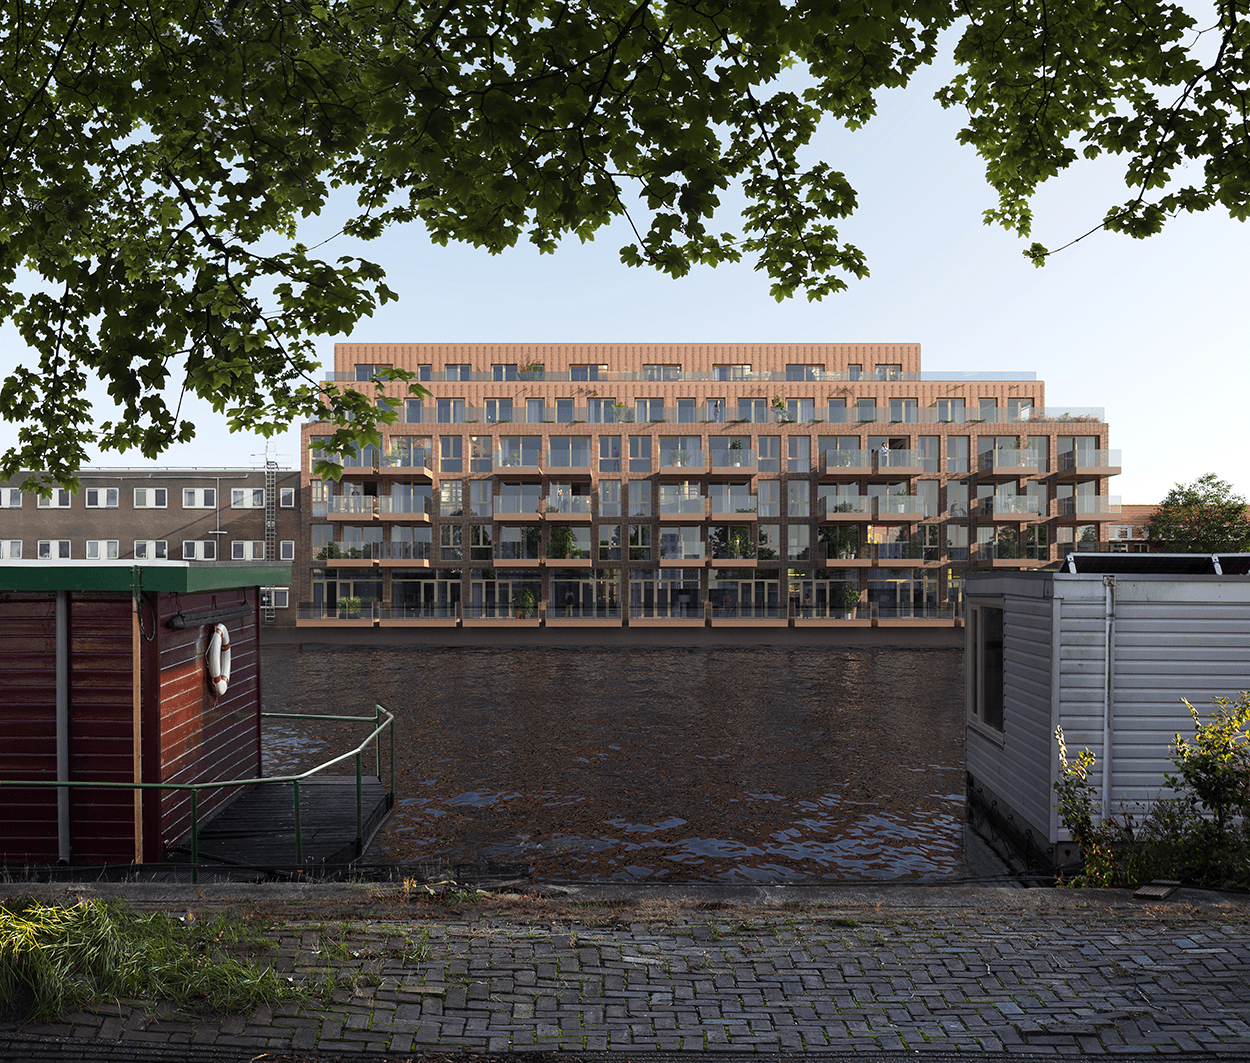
[(156, 161), (1202, 517)]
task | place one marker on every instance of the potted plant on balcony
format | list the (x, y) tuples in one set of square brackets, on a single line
[(736, 445), (525, 604), (349, 608), (845, 599)]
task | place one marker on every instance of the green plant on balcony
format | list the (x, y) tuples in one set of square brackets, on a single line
[(525, 604), (349, 607), (329, 552), (561, 543), (845, 598)]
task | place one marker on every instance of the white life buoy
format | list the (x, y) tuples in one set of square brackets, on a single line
[(218, 657)]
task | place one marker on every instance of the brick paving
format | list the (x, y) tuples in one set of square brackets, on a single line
[(970, 971)]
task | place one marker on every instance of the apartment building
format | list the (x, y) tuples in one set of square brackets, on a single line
[(696, 483), (200, 515)]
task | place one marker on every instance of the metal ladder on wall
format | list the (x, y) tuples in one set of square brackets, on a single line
[(271, 531)]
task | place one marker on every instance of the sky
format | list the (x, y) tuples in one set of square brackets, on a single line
[(1156, 332)]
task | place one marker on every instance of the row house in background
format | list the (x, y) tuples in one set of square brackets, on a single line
[(692, 482), (200, 515)]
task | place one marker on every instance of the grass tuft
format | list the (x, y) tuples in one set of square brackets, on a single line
[(54, 958)]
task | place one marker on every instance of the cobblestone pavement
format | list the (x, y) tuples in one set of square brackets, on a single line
[(974, 970)]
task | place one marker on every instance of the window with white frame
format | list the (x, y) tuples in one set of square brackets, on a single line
[(275, 597), (199, 498), (199, 549), (151, 550), (101, 549), (247, 498), (10, 549), (286, 497), (985, 636), (286, 550), (53, 549), (1120, 531), (151, 497), (59, 499), (101, 497), (247, 550), (10, 498)]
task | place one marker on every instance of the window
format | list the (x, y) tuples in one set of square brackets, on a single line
[(451, 499), (804, 372), (950, 409), (649, 409), (53, 549), (10, 498), (286, 497), (640, 454), (1120, 531), (101, 549), (247, 550), (151, 497), (854, 372), (481, 544), (481, 456), (889, 372), (986, 673), (368, 372), (957, 454), (799, 450), (151, 550), (609, 453), (770, 498), (586, 372), (450, 539), (414, 411), (59, 499), (731, 372), (564, 411), (987, 409), (481, 498), (459, 372), (769, 536), (1019, 409), (661, 372), (451, 454), (799, 542), (902, 409), (275, 597), (450, 411), (801, 410), (247, 498), (11, 549), (866, 410), (286, 550), (570, 452), (609, 542), (535, 411), (837, 411), (770, 454), (609, 498), (755, 410), (640, 542), (498, 410), (602, 411), (503, 372), (640, 498), (199, 498), (101, 497), (798, 498), (199, 550)]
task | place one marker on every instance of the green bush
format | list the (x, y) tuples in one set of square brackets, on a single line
[(1200, 836)]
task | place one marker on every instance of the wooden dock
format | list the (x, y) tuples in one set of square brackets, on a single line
[(255, 835)]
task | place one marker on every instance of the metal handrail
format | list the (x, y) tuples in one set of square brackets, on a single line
[(374, 736)]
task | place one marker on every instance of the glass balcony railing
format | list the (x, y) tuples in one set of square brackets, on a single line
[(416, 458), (516, 457), (352, 504), (833, 461), (728, 503), (898, 459), (842, 507), (681, 550), (1012, 505), (574, 504), (419, 505), (896, 503), (680, 459), (1090, 505), (578, 458), (734, 459), (1011, 458), (1076, 460), (517, 504), (695, 505)]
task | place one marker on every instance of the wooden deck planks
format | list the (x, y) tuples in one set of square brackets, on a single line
[(258, 829)]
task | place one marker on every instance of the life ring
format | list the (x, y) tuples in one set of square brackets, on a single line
[(218, 658)]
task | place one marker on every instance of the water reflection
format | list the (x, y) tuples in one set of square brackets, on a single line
[(592, 765)]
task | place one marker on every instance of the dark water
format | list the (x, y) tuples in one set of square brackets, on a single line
[(675, 765)]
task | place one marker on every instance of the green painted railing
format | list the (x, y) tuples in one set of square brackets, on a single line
[(383, 721)]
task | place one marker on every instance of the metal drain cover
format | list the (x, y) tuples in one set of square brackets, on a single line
[(1159, 888)]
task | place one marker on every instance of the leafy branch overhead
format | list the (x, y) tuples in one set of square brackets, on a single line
[(156, 162)]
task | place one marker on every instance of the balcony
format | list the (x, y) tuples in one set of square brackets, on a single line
[(570, 466), (895, 507), (1012, 508), (1087, 509), (525, 463), (845, 464), (677, 552), (900, 462), (692, 507), (896, 554), (352, 507), (1010, 463), (1083, 464), (845, 510), (513, 508), (416, 463), (736, 504), (733, 462), (683, 463), (567, 507), (415, 509)]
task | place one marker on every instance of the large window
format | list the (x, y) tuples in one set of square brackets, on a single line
[(53, 549), (151, 497), (10, 498), (59, 499), (101, 549), (199, 497), (985, 634), (101, 497), (247, 498), (199, 549), (11, 549)]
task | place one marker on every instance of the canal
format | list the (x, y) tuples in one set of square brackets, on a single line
[(750, 765)]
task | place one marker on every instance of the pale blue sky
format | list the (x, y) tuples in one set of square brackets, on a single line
[(1157, 332)]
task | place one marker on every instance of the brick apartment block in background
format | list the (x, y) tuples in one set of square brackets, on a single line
[(193, 515), (691, 483)]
